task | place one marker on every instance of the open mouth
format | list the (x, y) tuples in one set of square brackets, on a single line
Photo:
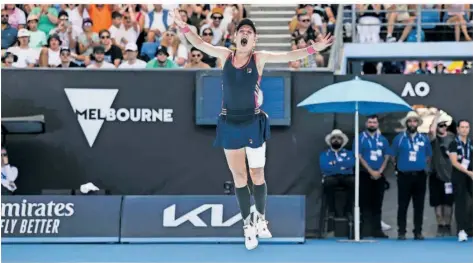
[(244, 41)]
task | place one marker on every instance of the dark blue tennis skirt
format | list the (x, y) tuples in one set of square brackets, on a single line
[(238, 132)]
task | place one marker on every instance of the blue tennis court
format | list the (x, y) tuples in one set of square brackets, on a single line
[(446, 250)]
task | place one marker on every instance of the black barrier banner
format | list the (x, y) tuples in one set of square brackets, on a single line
[(206, 219), (60, 219)]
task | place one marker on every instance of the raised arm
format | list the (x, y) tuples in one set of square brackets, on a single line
[(284, 57), (196, 41)]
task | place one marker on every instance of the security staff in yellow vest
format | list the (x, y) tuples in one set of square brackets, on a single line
[(411, 151)]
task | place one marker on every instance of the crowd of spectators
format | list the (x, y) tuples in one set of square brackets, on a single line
[(113, 36)]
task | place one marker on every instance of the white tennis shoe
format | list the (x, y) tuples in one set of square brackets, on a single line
[(262, 228), (251, 242)]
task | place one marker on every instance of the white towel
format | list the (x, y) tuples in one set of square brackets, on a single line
[(86, 188)]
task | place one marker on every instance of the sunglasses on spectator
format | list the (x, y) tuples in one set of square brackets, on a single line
[(306, 20), (217, 17), (208, 34), (196, 55), (4, 155), (104, 36), (442, 125)]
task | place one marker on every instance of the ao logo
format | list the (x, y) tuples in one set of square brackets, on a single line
[(421, 89)]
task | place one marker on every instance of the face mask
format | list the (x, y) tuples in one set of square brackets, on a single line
[(336, 145), (372, 129), (411, 129)]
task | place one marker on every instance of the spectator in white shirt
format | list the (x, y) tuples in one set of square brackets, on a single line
[(49, 56), (9, 175), (216, 26), (17, 18), (27, 57), (77, 14), (116, 29), (99, 56), (131, 50), (37, 37), (158, 20)]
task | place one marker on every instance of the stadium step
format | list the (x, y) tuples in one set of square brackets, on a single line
[(272, 24)]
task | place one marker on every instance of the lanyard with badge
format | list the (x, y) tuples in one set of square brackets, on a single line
[(375, 152), (413, 147), (465, 155)]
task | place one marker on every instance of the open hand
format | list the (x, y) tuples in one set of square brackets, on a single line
[(177, 18), (323, 43)]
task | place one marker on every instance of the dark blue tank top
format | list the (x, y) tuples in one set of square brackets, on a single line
[(241, 91)]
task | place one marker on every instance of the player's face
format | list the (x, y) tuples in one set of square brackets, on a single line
[(245, 38)]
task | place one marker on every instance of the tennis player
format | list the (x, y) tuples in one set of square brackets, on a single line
[(243, 128)]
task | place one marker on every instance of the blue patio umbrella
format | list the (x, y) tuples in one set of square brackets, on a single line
[(359, 97)]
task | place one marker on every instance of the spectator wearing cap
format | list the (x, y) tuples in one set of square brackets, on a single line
[(158, 20), (17, 17), (411, 151), (9, 33), (213, 62), (88, 39), (27, 57), (66, 59), (216, 26), (177, 51), (8, 59), (100, 62), (49, 56), (66, 31), (101, 15), (196, 60), (162, 60), (113, 54), (131, 53), (182, 37), (37, 37), (48, 17)]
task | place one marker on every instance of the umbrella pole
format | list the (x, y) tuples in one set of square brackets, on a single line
[(357, 178)]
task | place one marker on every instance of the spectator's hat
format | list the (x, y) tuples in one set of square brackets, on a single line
[(63, 49), (54, 36), (63, 13), (99, 50), (162, 50), (7, 54), (411, 115), (87, 21), (131, 47), (217, 10), (32, 17), (338, 133), (23, 33), (444, 117)]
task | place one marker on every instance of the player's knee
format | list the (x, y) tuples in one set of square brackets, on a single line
[(257, 175), (240, 178)]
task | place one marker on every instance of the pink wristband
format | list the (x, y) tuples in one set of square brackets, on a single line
[(311, 50), (185, 29)]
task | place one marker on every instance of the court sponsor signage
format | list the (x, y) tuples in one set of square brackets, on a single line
[(206, 219), (60, 219)]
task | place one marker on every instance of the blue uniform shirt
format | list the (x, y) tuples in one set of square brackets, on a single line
[(341, 162), (373, 149), (411, 153)]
